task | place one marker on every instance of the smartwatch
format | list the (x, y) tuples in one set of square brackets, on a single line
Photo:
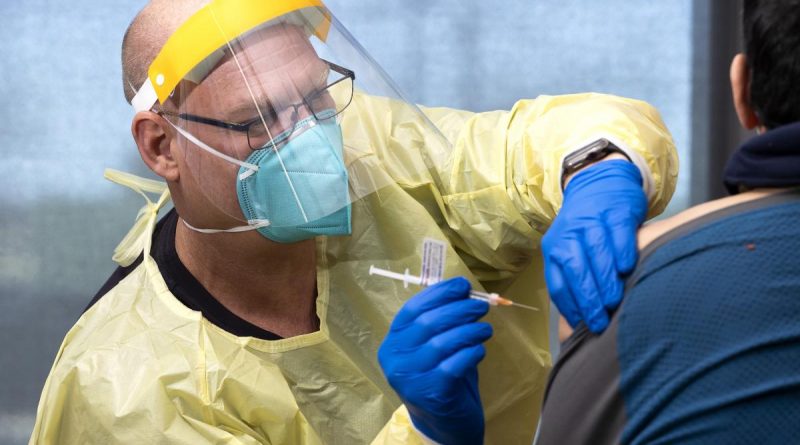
[(587, 155)]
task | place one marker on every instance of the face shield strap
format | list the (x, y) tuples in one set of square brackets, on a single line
[(145, 98)]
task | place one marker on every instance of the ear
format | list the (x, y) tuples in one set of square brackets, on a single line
[(154, 137), (740, 86)]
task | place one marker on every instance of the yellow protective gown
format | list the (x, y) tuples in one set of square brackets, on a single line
[(139, 367)]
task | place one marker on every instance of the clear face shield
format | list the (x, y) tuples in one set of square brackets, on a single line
[(258, 92)]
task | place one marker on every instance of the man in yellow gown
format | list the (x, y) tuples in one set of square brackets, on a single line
[(247, 314)]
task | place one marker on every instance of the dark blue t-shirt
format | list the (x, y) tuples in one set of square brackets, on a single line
[(705, 348)]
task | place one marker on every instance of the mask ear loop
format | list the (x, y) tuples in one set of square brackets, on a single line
[(261, 116), (193, 139), (251, 168), (253, 224)]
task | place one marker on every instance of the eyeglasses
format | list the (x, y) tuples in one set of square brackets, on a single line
[(320, 103)]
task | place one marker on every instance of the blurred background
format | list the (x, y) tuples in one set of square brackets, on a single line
[(63, 120)]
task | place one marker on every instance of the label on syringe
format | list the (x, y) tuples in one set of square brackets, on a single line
[(434, 254)]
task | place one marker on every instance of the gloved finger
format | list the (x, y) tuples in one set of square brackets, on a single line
[(448, 343), (443, 346), (580, 280), (463, 361), (432, 297), (560, 293), (623, 229), (600, 253), (442, 319)]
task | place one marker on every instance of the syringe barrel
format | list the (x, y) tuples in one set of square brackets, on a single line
[(404, 277)]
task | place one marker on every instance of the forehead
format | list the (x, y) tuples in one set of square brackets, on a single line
[(272, 60)]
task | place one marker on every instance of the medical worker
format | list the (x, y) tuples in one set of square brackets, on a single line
[(247, 313)]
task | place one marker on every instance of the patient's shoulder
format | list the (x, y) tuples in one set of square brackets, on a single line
[(652, 231)]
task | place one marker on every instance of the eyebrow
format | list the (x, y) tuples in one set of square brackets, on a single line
[(265, 104), (320, 78), (248, 109)]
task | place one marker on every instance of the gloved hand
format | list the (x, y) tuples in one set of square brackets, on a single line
[(591, 245), (430, 357)]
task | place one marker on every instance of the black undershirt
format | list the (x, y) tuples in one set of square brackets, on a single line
[(183, 285)]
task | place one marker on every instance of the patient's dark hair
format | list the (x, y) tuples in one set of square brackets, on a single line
[(772, 45)]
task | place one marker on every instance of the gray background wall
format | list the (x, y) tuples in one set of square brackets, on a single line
[(63, 120)]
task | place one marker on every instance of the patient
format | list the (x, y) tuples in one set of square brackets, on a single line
[(705, 348)]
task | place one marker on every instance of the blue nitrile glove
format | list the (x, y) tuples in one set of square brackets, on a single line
[(430, 357), (591, 245)]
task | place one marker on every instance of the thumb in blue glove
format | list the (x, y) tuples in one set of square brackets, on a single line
[(430, 357), (591, 244)]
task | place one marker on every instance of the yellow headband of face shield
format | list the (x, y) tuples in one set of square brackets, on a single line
[(211, 28)]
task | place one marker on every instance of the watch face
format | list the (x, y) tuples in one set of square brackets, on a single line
[(590, 152), (586, 155)]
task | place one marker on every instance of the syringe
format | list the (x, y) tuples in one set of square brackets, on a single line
[(491, 298)]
